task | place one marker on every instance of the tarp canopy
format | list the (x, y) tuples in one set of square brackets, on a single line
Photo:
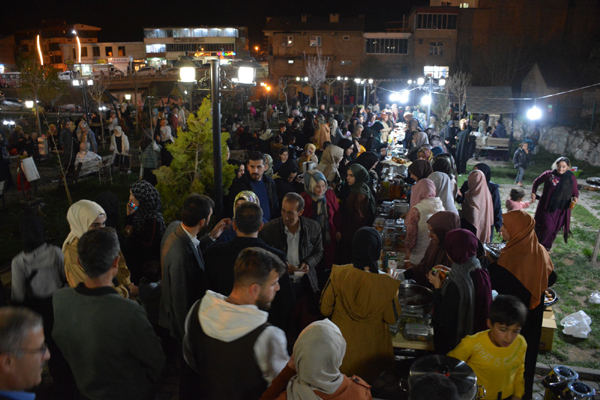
[(490, 100)]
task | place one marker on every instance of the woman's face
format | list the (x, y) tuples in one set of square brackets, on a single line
[(98, 222), (504, 233), (321, 187), (349, 151), (292, 176), (350, 178), (133, 200), (414, 177), (239, 203), (284, 156), (310, 151), (241, 171), (562, 167), (434, 238)]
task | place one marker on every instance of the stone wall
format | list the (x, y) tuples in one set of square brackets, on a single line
[(577, 144)]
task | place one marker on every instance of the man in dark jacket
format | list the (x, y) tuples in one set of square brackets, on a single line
[(256, 181), (220, 260), (298, 237)]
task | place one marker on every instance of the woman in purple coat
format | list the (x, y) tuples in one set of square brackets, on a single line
[(554, 210)]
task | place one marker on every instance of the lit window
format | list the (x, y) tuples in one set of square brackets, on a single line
[(315, 41), (287, 41), (290, 61)]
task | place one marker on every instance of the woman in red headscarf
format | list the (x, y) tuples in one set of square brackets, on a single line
[(461, 302), (477, 207), (423, 204), (525, 270)]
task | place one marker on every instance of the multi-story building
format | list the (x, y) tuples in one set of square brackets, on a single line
[(52, 34), (122, 55), (292, 38), (164, 46), (7, 53)]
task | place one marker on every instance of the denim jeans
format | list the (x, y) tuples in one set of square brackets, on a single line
[(520, 174)]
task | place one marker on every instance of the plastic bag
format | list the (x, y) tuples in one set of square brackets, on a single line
[(595, 297), (577, 324)]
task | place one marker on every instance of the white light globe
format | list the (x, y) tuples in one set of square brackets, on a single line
[(534, 113), (426, 100)]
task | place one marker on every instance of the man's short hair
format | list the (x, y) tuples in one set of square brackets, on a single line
[(256, 156), (97, 249), (433, 387), (15, 324), (292, 197), (248, 217), (508, 310), (196, 207), (254, 265)]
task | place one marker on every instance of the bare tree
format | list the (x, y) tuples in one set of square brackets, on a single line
[(101, 82), (457, 85), (505, 60), (283, 85), (36, 77), (316, 70)]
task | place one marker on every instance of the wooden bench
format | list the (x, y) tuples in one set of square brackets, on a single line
[(491, 143)]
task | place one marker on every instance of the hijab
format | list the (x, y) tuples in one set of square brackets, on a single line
[(366, 249), (443, 163), (269, 171), (318, 355), (461, 246), (487, 171), (149, 205), (477, 206), (110, 203), (420, 168), (420, 139), (424, 189), (345, 144), (81, 216), (330, 162), (361, 185), (367, 160), (444, 189), (246, 195), (311, 178), (524, 256)]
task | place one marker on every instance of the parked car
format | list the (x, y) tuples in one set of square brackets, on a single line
[(170, 72), (146, 71), (67, 75)]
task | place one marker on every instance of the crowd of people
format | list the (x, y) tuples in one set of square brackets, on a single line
[(284, 297)]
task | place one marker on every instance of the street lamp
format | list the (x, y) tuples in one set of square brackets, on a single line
[(357, 81), (534, 113), (29, 103), (344, 80), (128, 97), (246, 76), (187, 69)]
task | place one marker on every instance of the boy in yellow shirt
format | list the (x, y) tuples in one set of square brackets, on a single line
[(497, 356)]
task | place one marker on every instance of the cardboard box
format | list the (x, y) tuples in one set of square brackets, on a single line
[(548, 328)]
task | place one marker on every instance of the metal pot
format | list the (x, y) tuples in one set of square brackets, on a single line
[(415, 299), (400, 207), (577, 390), (557, 380), (458, 371)]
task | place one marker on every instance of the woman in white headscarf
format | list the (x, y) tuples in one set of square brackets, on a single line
[(330, 162), (445, 188), (84, 216), (313, 371)]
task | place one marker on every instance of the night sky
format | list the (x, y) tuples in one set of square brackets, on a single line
[(124, 20)]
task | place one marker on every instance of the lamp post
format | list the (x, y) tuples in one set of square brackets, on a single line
[(357, 81), (344, 80), (246, 76), (430, 86)]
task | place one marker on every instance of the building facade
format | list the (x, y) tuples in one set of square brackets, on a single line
[(121, 54), (164, 46), (52, 35)]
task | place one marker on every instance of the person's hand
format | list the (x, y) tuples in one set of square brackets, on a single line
[(131, 207), (435, 280), (223, 224), (303, 267), (133, 290), (128, 230), (576, 199), (290, 268), (489, 257), (338, 236), (292, 364), (533, 198)]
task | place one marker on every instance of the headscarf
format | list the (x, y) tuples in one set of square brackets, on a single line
[(461, 246), (444, 189), (330, 162), (345, 144), (500, 130), (246, 195), (311, 178), (288, 168), (269, 171), (311, 147), (149, 205), (487, 171), (426, 153), (524, 256), (318, 355), (420, 139), (110, 203), (478, 208), (366, 249), (443, 163), (424, 189), (367, 160), (361, 185), (420, 168), (81, 216)]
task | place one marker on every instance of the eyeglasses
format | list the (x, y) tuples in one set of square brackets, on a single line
[(42, 350)]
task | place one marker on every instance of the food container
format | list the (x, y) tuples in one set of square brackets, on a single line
[(550, 297), (379, 224), (389, 236), (415, 299), (415, 332), (458, 371), (556, 381), (494, 249), (577, 390), (400, 207)]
